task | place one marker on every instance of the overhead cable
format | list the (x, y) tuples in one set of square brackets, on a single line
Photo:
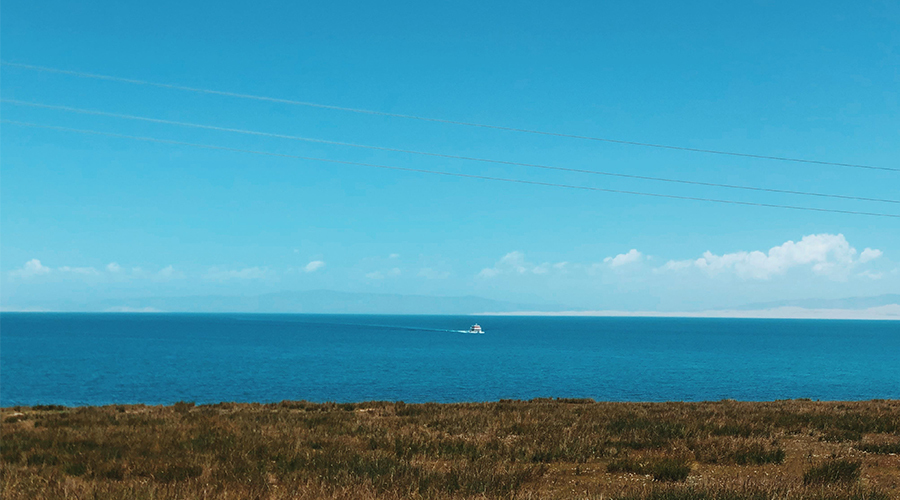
[(451, 174), (435, 120), (440, 155)]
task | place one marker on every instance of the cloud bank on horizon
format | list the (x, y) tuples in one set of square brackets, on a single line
[(819, 265), (792, 269), (824, 254)]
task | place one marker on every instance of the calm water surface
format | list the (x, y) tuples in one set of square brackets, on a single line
[(79, 359)]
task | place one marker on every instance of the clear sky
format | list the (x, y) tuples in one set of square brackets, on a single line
[(88, 217)]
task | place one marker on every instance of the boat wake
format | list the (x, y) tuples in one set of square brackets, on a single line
[(399, 327), (418, 329)]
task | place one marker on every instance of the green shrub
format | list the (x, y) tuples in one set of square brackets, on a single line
[(665, 470), (75, 469), (576, 401), (835, 471), (176, 472), (749, 493), (183, 407), (114, 472), (884, 448), (736, 451), (670, 470), (625, 465), (758, 455), (42, 459), (841, 435)]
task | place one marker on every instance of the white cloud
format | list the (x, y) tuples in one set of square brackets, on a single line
[(390, 273), (394, 256), (31, 268), (542, 268), (869, 254), (432, 274), (113, 267), (624, 258), (871, 275), (85, 271), (676, 265), (824, 254), (216, 274), (314, 266), (489, 272), (167, 272), (515, 263)]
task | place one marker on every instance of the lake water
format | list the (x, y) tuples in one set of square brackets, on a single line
[(81, 359)]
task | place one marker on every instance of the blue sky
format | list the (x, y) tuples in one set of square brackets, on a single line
[(88, 217)]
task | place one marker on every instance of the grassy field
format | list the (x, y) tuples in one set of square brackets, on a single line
[(535, 449)]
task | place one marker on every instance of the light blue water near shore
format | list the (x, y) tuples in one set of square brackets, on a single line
[(80, 359)]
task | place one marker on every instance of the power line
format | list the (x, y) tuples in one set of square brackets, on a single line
[(440, 155), (451, 174), (435, 120)]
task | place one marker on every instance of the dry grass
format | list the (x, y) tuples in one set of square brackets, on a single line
[(545, 448)]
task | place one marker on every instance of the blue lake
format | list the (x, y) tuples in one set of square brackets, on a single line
[(81, 359)]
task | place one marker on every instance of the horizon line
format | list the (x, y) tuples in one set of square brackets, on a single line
[(887, 312)]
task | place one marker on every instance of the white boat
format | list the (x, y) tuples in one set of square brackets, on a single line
[(475, 329)]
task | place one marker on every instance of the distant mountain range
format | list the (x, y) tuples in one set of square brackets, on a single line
[(316, 302), (331, 302), (847, 303)]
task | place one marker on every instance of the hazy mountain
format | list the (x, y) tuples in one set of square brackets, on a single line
[(331, 302), (318, 301), (846, 303)]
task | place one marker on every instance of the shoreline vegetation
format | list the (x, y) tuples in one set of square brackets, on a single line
[(537, 449)]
